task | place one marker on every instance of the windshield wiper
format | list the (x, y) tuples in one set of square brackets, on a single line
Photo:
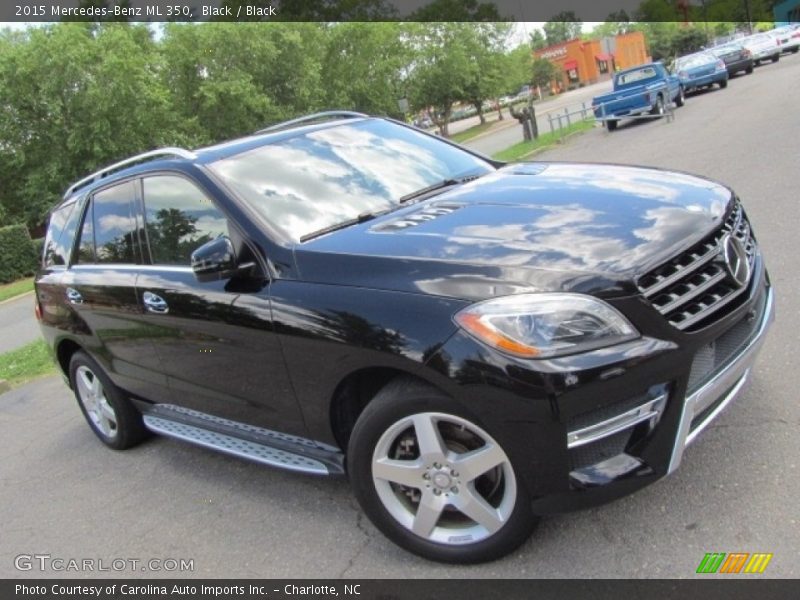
[(361, 218), (444, 183)]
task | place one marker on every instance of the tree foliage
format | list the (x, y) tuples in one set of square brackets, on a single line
[(562, 27)]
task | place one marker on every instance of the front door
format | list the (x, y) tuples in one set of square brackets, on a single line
[(215, 339)]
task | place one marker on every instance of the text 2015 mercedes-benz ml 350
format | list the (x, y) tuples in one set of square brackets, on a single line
[(472, 344)]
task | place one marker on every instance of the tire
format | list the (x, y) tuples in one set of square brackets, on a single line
[(749, 70), (795, 50), (388, 433), (776, 58), (112, 417), (658, 109), (723, 84), (611, 125), (681, 99)]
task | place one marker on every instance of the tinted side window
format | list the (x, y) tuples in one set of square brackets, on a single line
[(114, 226), (179, 218), (60, 235), (86, 243)]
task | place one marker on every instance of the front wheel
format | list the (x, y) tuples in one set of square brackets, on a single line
[(433, 480), (611, 125), (723, 84), (749, 70), (776, 58)]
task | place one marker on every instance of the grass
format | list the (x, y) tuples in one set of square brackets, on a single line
[(25, 363), (16, 288), (468, 134), (523, 149)]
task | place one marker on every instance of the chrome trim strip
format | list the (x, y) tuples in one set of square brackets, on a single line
[(730, 381), (129, 267), (603, 429), (682, 272)]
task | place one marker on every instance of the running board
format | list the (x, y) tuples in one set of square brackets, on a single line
[(235, 446)]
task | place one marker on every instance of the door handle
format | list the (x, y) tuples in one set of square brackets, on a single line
[(154, 303), (74, 296)]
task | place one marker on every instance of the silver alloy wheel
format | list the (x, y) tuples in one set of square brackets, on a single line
[(440, 494), (93, 397)]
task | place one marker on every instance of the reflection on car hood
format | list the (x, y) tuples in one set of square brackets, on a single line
[(535, 226)]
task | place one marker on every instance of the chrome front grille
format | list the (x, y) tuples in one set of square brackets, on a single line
[(693, 287)]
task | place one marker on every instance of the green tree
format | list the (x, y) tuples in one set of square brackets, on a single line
[(74, 96), (485, 48), (457, 10), (364, 67), (543, 72), (538, 41), (562, 27), (440, 70)]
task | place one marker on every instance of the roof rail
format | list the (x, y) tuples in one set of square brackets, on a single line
[(329, 114), (105, 171)]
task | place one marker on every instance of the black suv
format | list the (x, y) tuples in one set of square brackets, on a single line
[(472, 343)]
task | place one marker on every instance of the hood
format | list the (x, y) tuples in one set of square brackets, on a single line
[(588, 228)]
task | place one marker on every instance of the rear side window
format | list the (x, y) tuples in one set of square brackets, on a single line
[(109, 230), (60, 235), (179, 218)]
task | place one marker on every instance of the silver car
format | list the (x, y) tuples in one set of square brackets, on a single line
[(788, 37), (763, 47)]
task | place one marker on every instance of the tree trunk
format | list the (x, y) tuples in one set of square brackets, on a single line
[(479, 107), (500, 116)]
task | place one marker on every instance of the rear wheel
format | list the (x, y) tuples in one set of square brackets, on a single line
[(112, 417), (681, 99), (749, 70), (658, 109), (433, 480), (611, 125)]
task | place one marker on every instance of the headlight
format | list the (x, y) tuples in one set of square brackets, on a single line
[(545, 325)]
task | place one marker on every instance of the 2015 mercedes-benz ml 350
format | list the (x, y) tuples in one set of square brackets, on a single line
[(473, 344)]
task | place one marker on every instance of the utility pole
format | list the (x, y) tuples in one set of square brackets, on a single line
[(749, 19)]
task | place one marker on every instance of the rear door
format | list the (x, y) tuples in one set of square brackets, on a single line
[(100, 290), (215, 340)]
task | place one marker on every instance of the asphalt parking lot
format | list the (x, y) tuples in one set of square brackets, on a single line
[(63, 494)]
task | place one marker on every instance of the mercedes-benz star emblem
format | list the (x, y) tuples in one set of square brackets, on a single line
[(735, 257)]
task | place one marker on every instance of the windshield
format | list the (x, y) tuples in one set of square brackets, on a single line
[(308, 182)]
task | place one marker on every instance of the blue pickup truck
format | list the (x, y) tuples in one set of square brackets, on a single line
[(637, 91)]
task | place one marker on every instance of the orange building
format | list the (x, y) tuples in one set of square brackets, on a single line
[(584, 62)]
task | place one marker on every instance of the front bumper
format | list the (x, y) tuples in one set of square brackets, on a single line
[(588, 429), (705, 405)]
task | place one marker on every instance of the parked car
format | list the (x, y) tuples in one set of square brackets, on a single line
[(640, 90), (763, 47), (736, 57), (788, 37), (471, 343), (701, 70)]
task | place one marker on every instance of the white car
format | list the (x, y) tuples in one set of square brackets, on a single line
[(788, 37), (763, 47)]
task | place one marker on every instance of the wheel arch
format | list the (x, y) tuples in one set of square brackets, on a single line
[(356, 390), (65, 349)]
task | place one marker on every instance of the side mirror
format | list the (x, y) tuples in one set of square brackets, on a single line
[(215, 260)]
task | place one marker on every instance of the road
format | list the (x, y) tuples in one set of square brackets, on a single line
[(572, 101), (17, 323), (737, 490)]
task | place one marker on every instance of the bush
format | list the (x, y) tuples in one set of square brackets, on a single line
[(18, 257)]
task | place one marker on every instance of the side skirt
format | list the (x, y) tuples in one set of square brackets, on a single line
[(260, 445)]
